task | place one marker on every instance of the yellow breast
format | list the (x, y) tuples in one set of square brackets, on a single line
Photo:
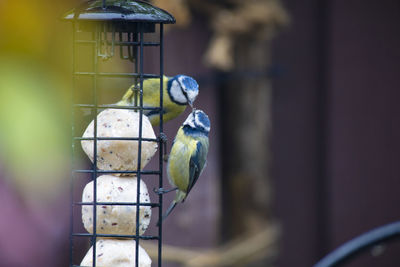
[(179, 160)]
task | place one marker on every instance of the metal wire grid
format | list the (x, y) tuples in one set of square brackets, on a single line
[(139, 44)]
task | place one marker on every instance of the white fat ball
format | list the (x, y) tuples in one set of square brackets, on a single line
[(120, 155), (116, 253), (114, 219)]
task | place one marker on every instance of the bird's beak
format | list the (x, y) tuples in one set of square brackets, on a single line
[(190, 104)]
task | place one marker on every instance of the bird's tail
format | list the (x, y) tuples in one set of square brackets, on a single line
[(173, 205)]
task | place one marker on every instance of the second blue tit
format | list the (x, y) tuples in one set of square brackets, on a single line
[(178, 92), (188, 155)]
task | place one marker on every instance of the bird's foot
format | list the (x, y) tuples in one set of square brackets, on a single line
[(161, 191), (163, 138), (165, 158)]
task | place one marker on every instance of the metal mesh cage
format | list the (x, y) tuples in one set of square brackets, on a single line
[(102, 30)]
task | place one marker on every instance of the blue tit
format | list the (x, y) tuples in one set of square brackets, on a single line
[(188, 155), (178, 91)]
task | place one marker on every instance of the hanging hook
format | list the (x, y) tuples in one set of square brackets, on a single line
[(112, 41), (121, 47), (103, 43), (107, 52)]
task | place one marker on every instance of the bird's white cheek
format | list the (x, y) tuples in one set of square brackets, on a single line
[(176, 93)]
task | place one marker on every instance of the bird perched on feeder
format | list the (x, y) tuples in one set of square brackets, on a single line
[(178, 91), (188, 156)]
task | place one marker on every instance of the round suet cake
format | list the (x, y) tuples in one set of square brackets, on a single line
[(115, 219), (116, 253), (120, 155)]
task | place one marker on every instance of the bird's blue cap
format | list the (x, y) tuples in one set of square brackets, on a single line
[(198, 120), (202, 120), (188, 83)]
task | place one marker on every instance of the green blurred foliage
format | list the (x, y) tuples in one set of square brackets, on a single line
[(34, 128), (35, 82)]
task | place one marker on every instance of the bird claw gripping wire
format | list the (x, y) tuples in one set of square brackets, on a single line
[(163, 138), (161, 191)]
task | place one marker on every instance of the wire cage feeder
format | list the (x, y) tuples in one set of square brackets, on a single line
[(114, 31)]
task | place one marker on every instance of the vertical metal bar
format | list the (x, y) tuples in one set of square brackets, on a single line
[(139, 147), (97, 38), (136, 66), (121, 47), (160, 181), (112, 41), (130, 47), (104, 4), (71, 237), (100, 50), (133, 48)]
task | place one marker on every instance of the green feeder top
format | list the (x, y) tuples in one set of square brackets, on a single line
[(119, 10)]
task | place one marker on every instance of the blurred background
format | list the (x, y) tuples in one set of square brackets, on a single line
[(302, 98)]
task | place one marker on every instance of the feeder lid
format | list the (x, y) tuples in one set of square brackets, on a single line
[(119, 10)]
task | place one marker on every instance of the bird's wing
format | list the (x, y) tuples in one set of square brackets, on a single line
[(151, 96), (153, 112), (196, 164)]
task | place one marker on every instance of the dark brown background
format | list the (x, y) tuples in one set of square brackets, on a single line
[(336, 128)]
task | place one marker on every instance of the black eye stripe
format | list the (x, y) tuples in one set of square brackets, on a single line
[(172, 97), (185, 94)]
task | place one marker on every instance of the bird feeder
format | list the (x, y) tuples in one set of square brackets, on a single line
[(117, 32)]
